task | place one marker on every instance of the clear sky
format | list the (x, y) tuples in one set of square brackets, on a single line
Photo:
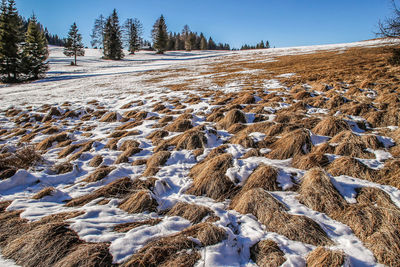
[(282, 22)]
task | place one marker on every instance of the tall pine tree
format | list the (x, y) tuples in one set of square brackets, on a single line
[(160, 35), (11, 37), (35, 51), (98, 32), (133, 30), (112, 38), (74, 46)]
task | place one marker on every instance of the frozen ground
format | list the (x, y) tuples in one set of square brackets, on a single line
[(115, 83)]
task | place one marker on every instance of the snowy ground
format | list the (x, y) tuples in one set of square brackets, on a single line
[(115, 83)]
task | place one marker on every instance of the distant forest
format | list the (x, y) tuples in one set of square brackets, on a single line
[(52, 39)]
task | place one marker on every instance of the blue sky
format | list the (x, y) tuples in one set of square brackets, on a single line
[(282, 22)]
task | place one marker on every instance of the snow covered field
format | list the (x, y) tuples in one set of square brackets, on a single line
[(139, 83)]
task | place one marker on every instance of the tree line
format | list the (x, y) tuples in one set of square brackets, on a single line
[(260, 45), (23, 52)]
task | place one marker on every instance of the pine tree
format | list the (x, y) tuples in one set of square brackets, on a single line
[(133, 29), (112, 38), (98, 32), (160, 35), (267, 45), (211, 44), (11, 37), (74, 46), (35, 51), (186, 36)]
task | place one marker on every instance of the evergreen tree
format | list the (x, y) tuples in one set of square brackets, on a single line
[(74, 46), (35, 51), (186, 36), (211, 44), (112, 38), (160, 35), (11, 37), (171, 41), (133, 31), (267, 45), (98, 32)]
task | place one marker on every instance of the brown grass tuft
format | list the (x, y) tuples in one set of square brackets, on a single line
[(109, 117), (48, 191), (126, 227), (266, 253), (351, 167), (351, 144), (23, 158), (124, 156), (273, 214), (139, 202), (318, 193), (311, 160), (48, 142), (96, 161), (180, 125), (100, 173), (331, 126), (155, 161), (210, 179), (88, 255), (325, 257), (292, 144), (232, 117), (192, 212)]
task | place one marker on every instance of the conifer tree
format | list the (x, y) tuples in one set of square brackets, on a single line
[(11, 37), (203, 42), (98, 32), (35, 51), (186, 36), (74, 46), (112, 38), (133, 30), (160, 35), (211, 44)]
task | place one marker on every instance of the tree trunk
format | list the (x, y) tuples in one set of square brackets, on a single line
[(75, 59)]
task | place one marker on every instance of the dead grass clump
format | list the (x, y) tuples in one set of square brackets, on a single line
[(243, 140), (24, 158), (96, 161), (273, 214), (263, 177), (280, 128), (210, 179), (44, 245), (325, 257), (335, 102), (158, 107), (100, 173), (51, 130), (232, 117), (350, 144), (110, 117), (155, 161), (318, 193), (192, 212), (88, 255), (311, 160), (235, 128), (390, 173), (330, 126), (252, 153), (68, 150), (267, 253), (118, 189), (244, 99), (124, 156), (351, 167), (7, 173), (126, 227), (180, 125), (292, 144), (157, 135), (128, 125), (186, 258), (112, 144), (357, 109), (48, 191), (139, 202), (191, 139), (48, 142)]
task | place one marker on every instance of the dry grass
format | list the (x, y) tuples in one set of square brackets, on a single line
[(351, 167), (331, 126), (232, 117), (109, 117), (325, 257), (100, 173), (311, 160), (266, 253), (273, 214), (139, 202), (48, 142), (210, 179), (88, 255), (48, 191), (96, 161), (192, 212), (154, 163), (179, 125), (126, 227), (291, 144), (24, 158), (167, 250)]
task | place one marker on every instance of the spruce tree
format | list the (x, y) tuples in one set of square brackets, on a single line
[(112, 38), (74, 46), (203, 43), (35, 51), (186, 35), (211, 44), (160, 35), (11, 37), (133, 31)]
